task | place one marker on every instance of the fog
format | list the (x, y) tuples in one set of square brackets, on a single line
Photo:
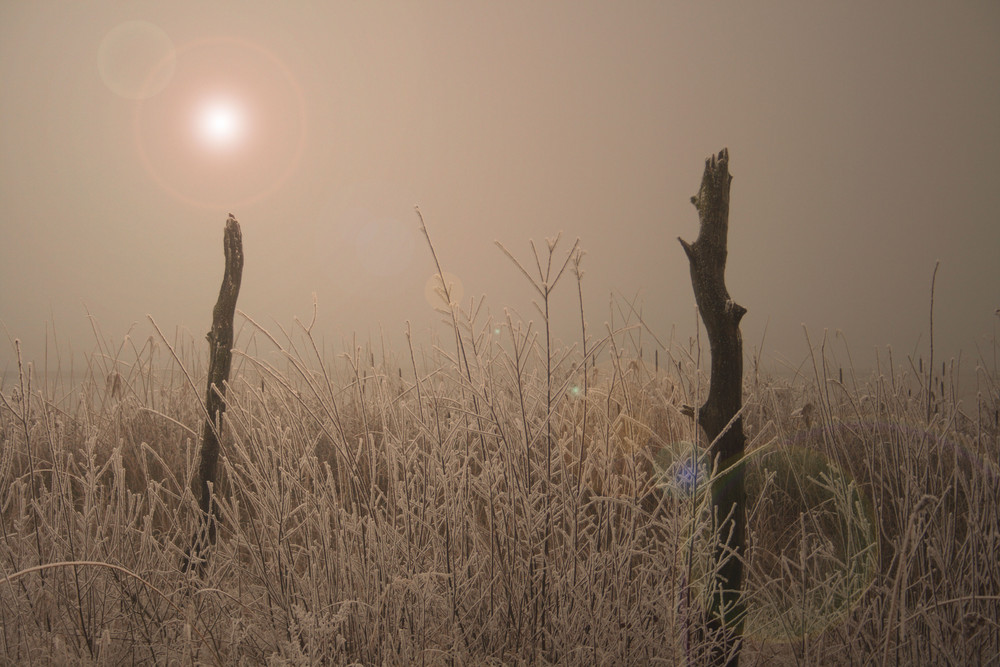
[(863, 140)]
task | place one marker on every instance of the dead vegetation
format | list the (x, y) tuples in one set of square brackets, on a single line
[(505, 503)]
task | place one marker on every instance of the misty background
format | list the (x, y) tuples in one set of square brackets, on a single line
[(863, 140)]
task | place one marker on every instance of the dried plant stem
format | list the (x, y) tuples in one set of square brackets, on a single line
[(930, 368)]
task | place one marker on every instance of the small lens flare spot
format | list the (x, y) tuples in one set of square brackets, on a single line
[(682, 469), (687, 475)]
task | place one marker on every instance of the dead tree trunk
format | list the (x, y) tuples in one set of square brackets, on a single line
[(707, 257), (220, 342)]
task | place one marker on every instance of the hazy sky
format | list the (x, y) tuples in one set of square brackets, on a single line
[(863, 139)]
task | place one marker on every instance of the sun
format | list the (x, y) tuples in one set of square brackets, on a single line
[(220, 123), (228, 129)]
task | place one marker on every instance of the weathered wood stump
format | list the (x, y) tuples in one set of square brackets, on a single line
[(707, 257), (220, 341)]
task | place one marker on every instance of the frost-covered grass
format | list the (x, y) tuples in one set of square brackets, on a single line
[(488, 502)]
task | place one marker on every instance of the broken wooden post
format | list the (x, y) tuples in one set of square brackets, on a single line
[(220, 343), (707, 257)]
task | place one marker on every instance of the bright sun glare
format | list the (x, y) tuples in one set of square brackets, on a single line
[(220, 123)]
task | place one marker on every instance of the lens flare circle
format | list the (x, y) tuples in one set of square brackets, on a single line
[(373, 220), (383, 245), (136, 60)]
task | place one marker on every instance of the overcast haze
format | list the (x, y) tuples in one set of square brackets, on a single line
[(863, 140)]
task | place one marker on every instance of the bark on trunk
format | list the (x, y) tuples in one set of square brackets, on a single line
[(220, 341), (707, 257)]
